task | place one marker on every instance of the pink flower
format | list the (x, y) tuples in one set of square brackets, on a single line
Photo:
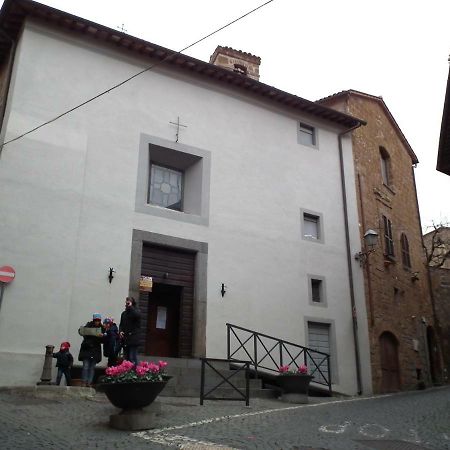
[(153, 367), (162, 364), (141, 371), (303, 369), (283, 369)]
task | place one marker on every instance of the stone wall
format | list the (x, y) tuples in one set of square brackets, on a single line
[(398, 298)]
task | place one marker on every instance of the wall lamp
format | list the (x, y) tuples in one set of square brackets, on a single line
[(223, 290), (370, 241), (111, 274)]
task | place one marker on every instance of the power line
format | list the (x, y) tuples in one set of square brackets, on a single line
[(65, 113)]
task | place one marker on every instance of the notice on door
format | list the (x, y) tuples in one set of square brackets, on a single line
[(146, 284), (161, 317)]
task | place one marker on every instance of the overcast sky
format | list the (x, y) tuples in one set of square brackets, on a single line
[(396, 49)]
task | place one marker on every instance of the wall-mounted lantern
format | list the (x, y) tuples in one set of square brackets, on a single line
[(370, 242), (223, 290)]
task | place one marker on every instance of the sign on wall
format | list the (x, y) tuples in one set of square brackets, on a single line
[(146, 284)]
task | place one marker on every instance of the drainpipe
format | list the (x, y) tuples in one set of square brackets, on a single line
[(8, 84), (349, 258)]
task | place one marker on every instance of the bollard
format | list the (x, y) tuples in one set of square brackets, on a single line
[(46, 377)]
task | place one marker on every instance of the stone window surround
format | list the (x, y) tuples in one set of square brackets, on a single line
[(188, 157), (200, 278), (333, 346), (301, 123), (323, 292), (321, 238)]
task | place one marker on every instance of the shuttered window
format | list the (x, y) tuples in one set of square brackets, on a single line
[(388, 239), (319, 339)]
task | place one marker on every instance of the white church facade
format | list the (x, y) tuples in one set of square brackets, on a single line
[(236, 198)]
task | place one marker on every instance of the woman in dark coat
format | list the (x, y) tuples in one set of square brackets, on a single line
[(91, 348), (130, 325)]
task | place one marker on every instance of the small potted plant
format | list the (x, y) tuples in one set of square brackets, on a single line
[(131, 387), (294, 381)]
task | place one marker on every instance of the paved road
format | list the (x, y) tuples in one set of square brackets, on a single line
[(403, 421)]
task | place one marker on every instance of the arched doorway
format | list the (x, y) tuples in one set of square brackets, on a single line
[(390, 370), (433, 355)]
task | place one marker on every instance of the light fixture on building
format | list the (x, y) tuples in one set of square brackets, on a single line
[(370, 241), (414, 276), (111, 276), (223, 290)]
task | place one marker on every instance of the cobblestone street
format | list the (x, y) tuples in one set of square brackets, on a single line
[(420, 419)]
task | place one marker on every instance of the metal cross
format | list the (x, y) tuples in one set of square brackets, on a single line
[(178, 125), (122, 28)]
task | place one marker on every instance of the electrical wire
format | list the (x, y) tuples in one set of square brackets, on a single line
[(65, 113)]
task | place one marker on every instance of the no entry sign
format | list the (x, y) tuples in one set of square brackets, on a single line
[(7, 274)]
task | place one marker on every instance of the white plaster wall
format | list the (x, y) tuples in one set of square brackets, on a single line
[(68, 199)]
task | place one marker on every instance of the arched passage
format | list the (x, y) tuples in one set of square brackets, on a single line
[(390, 370)]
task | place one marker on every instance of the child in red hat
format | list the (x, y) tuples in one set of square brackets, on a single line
[(64, 362)]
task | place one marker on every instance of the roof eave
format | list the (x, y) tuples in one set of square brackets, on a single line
[(14, 12)]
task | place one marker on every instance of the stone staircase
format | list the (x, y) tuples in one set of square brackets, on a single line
[(186, 378)]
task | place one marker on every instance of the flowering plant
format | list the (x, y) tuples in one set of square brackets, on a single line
[(286, 370), (127, 372)]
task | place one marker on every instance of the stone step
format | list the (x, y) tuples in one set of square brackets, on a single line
[(180, 391)]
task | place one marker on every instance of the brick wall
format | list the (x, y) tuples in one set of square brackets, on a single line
[(398, 299)]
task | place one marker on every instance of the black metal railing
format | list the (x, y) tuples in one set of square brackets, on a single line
[(267, 354), (225, 379)]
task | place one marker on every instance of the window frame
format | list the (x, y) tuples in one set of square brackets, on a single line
[(164, 166), (304, 129), (196, 164), (406, 254), (389, 249), (386, 169), (322, 287), (304, 213)]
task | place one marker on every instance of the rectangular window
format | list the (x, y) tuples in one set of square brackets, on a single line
[(316, 290), (307, 135), (311, 226), (166, 187), (388, 239)]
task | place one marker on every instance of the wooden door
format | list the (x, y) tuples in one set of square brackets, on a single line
[(390, 371), (163, 320), (173, 272)]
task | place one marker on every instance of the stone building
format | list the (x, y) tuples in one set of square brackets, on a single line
[(400, 312), (437, 243)]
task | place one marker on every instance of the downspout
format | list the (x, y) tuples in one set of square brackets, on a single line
[(7, 86), (349, 258)]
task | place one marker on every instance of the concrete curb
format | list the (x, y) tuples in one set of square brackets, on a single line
[(51, 392)]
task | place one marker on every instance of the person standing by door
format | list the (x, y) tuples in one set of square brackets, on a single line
[(91, 348), (130, 324)]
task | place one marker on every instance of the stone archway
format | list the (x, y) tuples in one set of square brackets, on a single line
[(390, 369)]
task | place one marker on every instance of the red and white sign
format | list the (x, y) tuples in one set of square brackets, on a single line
[(7, 274)]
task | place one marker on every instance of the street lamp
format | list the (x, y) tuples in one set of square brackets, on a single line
[(370, 241)]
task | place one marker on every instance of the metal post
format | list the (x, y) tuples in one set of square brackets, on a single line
[(46, 377), (280, 346), (255, 354), (202, 382), (2, 289), (228, 341), (247, 384)]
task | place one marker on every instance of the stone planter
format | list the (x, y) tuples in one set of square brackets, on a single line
[(132, 398), (294, 387)]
